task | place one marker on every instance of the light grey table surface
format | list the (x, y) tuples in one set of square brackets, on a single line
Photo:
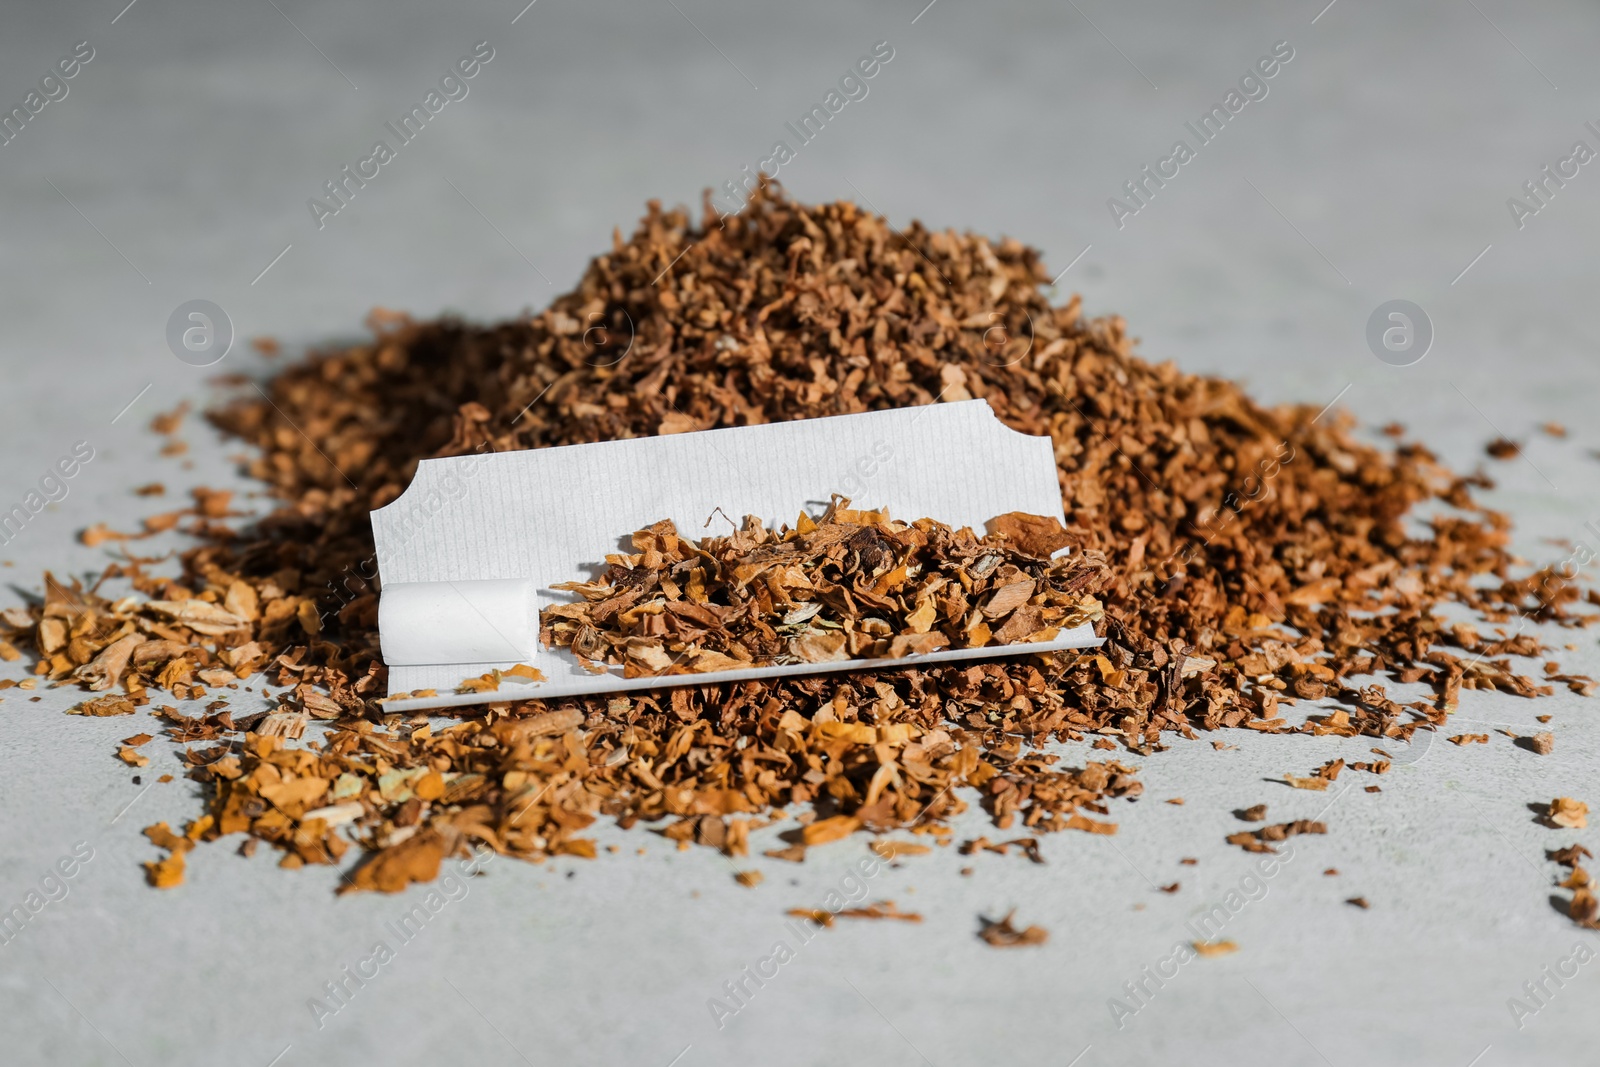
[(1377, 167)]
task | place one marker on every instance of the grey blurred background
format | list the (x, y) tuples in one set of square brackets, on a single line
[(1378, 166)]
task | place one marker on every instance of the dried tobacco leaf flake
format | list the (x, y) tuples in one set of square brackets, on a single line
[(165, 873), (336, 814), (1569, 813), (820, 916), (1002, 934), (749, 879), (1028, 845), (834, 828), (1260, 840), (415, 859), (1036, 535), (1569, 856), (883, 909), (1584, 906), (104, 706), (484, 683), (1503, 448), (199, 616), (1249, 842), (1469, 739), (1211, 949), (168, 421), (522, 670), (295, 793)]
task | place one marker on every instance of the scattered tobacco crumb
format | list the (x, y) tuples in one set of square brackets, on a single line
[(891, 850), (1568, 813), (1261, 840), (883, 909), (1542, 743), (1570, 856), (1503, 448), (749, 879), (1214, 948), (1172, 888), (1554, 429), (168, 871), (168, 422), (1360, 902), (1028, 845), (1584, 905), (1003, 934), (1254, 813), (1331, 872), (1189, 861), (819, 916)]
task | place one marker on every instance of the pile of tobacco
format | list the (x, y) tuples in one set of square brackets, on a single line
[(850, 585), (1246, 558)]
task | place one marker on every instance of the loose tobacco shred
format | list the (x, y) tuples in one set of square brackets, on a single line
[(1000, 933), (1254, 556), (850, 585), (1262, 840)]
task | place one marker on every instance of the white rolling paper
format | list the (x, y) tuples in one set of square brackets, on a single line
[(469, 552)]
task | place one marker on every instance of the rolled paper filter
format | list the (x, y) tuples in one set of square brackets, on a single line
[(489, 621)]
